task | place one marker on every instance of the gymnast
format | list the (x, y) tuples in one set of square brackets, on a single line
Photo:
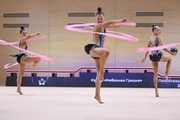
[(97, 50), (22, 57), (158, 56)]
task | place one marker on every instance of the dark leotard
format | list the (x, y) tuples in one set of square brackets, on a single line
[(155, 55)]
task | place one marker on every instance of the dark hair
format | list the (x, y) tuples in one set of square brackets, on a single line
[(22, 29), (99, 9), (153, 27)]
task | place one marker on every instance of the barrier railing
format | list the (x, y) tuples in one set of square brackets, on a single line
[(91, 68)]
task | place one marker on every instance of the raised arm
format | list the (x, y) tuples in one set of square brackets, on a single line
[(29, 36), (161, 43), (146, 54), (112, 23)]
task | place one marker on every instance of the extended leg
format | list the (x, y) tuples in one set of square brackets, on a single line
[(155, 79), (97, 82), (19, 77)]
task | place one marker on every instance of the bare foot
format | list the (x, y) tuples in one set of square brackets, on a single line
[(157, 95), (98, 99), (166, 76), (19, 91), (32, 66)]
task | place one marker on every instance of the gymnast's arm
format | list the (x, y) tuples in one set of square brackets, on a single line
[(161, 43), (146, 54), (29, 36), (112, 23)]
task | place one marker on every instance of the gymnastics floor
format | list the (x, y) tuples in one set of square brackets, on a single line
[(72, 103)]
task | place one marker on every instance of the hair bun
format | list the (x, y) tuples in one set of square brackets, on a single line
[(22, 27), (99, 9), (152, 25)]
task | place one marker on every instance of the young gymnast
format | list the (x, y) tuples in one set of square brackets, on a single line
[(23, 58), (158, 56), (97, 50)]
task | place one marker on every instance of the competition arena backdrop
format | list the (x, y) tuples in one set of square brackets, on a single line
[(87, 79)]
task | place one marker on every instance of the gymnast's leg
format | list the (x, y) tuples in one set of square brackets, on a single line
[(97, 82), (32, 59), (101, 55), (167, 59), (19, 78), (155, 79)]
